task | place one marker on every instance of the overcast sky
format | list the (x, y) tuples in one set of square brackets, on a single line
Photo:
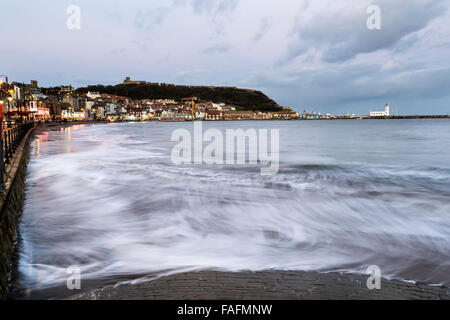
[(315, 55)]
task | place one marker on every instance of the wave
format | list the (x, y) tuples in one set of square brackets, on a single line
[(117, 209)]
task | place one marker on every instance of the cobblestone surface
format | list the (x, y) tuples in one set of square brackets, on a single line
[(271, 285)]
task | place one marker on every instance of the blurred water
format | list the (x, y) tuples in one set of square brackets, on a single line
[(348, 194)]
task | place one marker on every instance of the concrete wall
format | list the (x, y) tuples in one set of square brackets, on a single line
[(10, 210)]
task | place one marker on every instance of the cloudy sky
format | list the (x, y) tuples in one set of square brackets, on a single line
[(308, 54)]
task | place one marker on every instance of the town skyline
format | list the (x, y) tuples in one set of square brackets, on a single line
[(131, 100)]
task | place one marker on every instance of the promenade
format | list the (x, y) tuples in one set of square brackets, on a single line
[(266, 285)]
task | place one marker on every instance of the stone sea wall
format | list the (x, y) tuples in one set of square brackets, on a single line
[(10, 210)]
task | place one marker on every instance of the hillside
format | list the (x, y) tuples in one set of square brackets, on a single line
[(244, 99)]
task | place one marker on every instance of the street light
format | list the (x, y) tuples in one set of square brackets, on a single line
[(8, 95), (6, 91), (2, 162)]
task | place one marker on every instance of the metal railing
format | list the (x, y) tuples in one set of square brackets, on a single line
[(10, 141)]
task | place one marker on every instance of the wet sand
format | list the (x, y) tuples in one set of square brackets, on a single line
[(271, 285)]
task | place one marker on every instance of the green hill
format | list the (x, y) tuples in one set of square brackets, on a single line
[(243, 99)]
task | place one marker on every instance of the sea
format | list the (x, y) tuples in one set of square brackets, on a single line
[(108, 203)]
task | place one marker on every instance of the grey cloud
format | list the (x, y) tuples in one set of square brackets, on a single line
[(342, 85), (214, 6), (406, 43), (263, 29), (184, 76), (216, 49), (81, 81), (151, 17), (118, 51), (148, 19), (342, 34)]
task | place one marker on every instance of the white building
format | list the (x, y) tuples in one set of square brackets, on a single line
[(89, 104), (93, 95), (385, 113)]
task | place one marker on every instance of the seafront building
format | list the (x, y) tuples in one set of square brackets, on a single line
[(385, 113), (29, 101)]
